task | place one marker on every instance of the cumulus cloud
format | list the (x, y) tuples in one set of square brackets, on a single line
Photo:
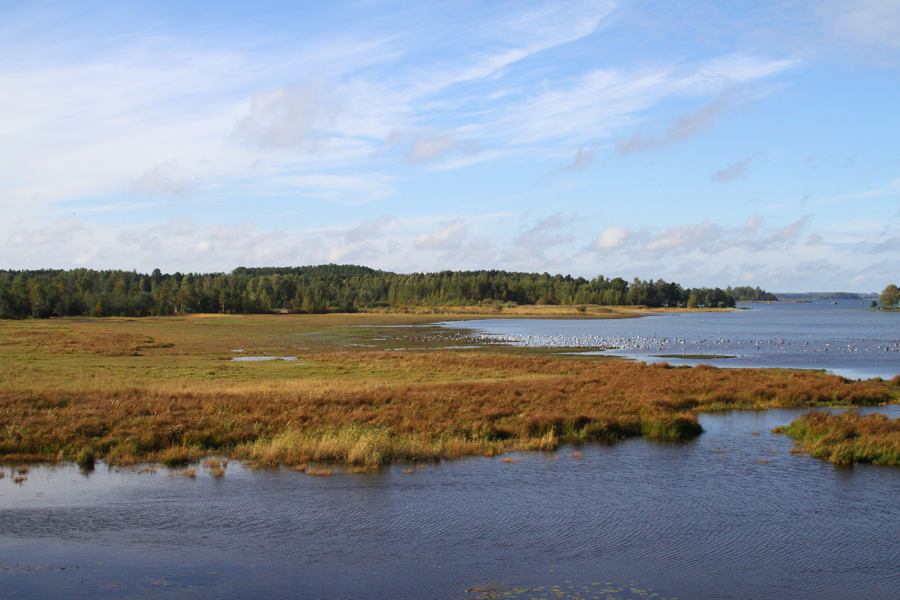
[(369, 229), (287, 117), (888, 245), (449, 237), (706, 238), (611, 238), (683, 127), (732, 172), (788, 233), (751, 225), (545, 234), (61, 231)]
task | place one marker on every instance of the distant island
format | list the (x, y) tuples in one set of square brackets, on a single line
[(329, 288), (797, 297)]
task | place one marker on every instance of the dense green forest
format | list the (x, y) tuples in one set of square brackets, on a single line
[(325, 288)]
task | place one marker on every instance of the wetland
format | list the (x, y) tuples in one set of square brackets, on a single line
[(449, 465)]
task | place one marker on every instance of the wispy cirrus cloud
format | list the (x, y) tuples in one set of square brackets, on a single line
[(732, 172), (683, 127)]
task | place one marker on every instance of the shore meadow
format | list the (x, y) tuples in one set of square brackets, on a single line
[(360, 390)]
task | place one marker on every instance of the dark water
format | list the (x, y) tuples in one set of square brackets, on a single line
[(728, 515), (842, 338)]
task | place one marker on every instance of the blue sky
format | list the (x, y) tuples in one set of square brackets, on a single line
[(709, 143)]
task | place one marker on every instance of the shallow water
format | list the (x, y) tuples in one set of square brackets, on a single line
[(728, 515), (842, 338)]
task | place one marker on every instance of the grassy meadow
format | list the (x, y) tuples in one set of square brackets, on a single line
[(365, 389)]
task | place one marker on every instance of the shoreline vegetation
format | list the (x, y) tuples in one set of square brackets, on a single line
[(359, 390), (847, 438), (329, 289)]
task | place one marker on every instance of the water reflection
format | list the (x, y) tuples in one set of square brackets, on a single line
[(730, 514)]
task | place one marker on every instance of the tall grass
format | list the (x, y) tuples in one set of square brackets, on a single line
[(847, 438), (179, 399)]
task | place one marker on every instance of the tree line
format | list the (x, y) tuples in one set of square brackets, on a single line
[(326, 288)]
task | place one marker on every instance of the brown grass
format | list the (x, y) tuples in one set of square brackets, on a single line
[(181, 399)]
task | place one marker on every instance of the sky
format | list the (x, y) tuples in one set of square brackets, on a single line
[(710, 143)]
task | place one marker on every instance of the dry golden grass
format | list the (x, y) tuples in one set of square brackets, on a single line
[(165, 390)]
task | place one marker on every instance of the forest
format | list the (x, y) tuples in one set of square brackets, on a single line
[(327, 288)]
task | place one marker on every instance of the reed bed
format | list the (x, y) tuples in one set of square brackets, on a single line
[(847, 438), (166, 391)]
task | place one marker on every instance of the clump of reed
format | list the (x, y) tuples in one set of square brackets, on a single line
[(216, 467), (847, 438), (359, 445), (85, 460), (179, 456)]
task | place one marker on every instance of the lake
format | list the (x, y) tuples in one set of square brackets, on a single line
[(730, 514), (842, 337)]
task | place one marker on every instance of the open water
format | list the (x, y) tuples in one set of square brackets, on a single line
[(843, 337), (731, 514)]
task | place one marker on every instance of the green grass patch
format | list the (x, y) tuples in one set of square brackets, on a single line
[(847, 438)]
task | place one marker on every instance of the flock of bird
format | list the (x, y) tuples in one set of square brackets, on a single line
[(638, 343)]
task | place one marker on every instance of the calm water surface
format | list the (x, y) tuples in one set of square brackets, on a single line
[(731, 514), (841, 337)]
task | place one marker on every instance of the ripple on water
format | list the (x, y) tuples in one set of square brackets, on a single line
[(701, 519)]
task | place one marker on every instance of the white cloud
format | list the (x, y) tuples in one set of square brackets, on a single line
[(428, 148), (164, 179), (61, 231), (704, 236), (865, 22), (287, 117), (451, 236), (612, 238), (545, 234), (369, 229)]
